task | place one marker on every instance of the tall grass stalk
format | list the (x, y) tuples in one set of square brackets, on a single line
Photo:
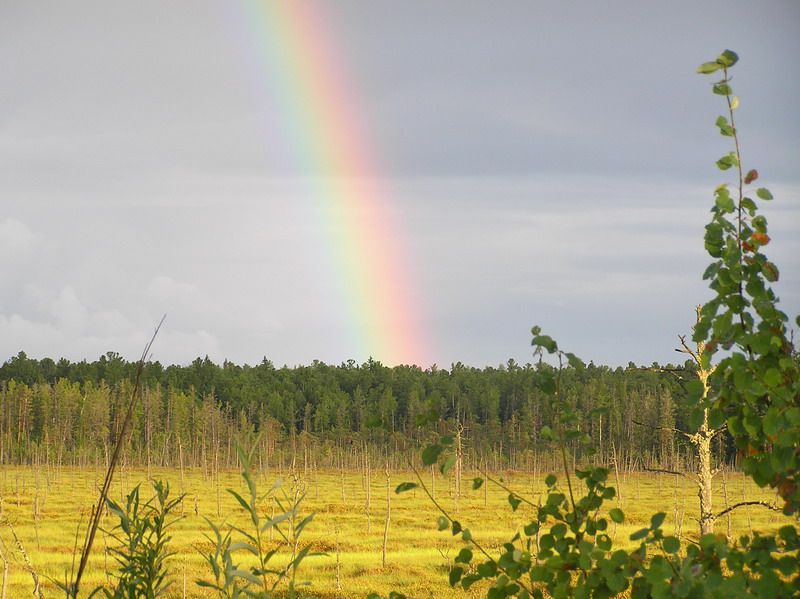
[(97, 509)]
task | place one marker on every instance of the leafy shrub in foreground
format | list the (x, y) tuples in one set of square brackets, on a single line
[(143, 544), (565, 551), (230, 579)]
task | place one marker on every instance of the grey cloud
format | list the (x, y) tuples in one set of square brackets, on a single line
[(547, 162)]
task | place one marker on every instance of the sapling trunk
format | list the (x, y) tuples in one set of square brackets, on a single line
[(458, 464), (341, 473), (727, 504), (338, 563), (388, 516), (616, 472), (367, 490)]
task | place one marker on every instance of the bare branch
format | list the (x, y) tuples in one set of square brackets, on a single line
[(719, 430), (663, 428), (687, 350), (664, 471), (670, 371), (765, 504)]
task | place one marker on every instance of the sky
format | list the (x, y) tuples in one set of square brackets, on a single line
[(536, 162)]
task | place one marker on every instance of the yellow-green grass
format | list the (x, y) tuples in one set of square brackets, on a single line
[(417, 555)]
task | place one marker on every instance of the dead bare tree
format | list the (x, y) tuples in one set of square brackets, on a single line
[(701, 441)]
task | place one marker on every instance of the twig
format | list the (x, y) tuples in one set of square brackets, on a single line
[(508, 490)]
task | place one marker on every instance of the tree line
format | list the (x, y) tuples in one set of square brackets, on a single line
[(69, 412)]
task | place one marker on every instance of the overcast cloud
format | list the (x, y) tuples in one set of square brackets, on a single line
[(549, 163)]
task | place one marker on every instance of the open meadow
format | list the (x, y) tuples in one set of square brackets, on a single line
[(42, 507)]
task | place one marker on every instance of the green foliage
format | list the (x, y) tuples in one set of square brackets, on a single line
[(143, 544), (260, 580), (565, 550), (757, 381)]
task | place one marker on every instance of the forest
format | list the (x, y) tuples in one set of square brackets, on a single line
[(70, 413)]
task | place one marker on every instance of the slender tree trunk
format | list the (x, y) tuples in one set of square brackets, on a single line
[(705, 475), (388, 516)]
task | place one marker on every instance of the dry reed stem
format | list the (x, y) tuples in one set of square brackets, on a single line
[(97, 510)]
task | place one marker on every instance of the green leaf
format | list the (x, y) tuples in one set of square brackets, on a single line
[(574, 361), (469, 580), (403, 487), (617, 515), (514, 501), (245, 546), (727, 161), (763, 193), (772, 422), (477, 483), (722, 88), (455, 574), (770, 271), (248, 576), (760, 224), (708, 67), (464, 556), (547, 383), (430, 455), (487, 569), (558, 530), (694, 390), (546, 342), (640, 534), (456, 527), (656, 520), (531, 528), (728, 58), (724, 126), (671, 544), (448, 464), (550, 480), (725, 204), (772, 377), (442, 523), (716, 418)]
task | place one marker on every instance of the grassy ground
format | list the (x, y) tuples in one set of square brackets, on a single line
[(417, 555)]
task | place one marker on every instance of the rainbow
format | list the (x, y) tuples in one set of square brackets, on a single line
[(319, 115)]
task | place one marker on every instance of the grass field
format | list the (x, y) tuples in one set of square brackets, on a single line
[(417, 554)]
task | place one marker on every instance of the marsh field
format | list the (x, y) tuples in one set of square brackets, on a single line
[(43, 507)]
